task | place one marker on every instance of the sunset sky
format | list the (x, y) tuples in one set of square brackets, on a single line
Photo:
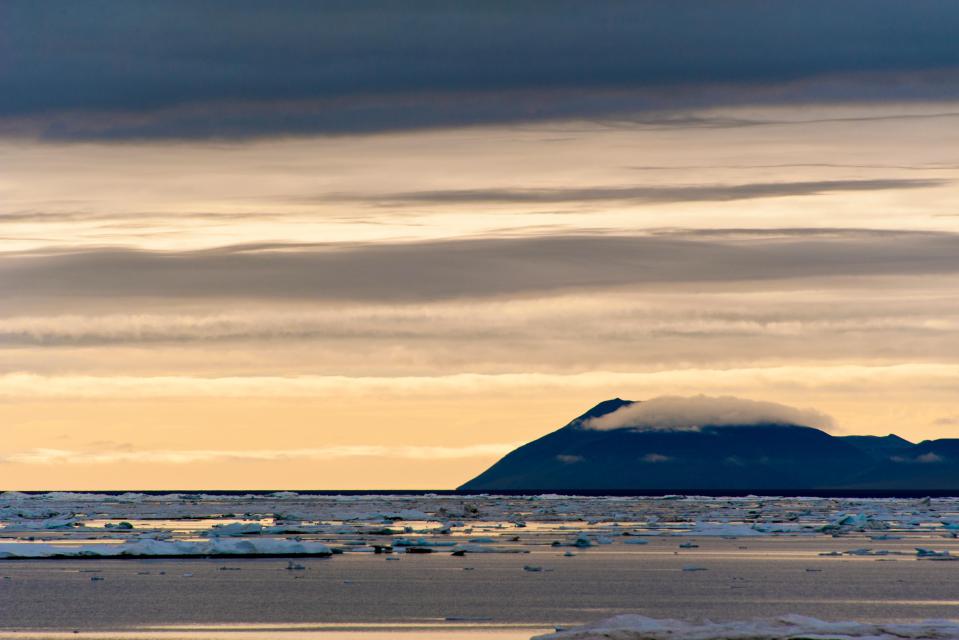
[(378, 245)]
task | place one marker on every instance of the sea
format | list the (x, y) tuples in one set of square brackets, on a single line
[(359, 565)]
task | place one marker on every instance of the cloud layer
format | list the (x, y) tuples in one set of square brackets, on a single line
[(117, 70), (678, 413), (479, 267)]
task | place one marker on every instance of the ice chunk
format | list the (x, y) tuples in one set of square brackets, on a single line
[(463, 549), (236, 529), (421, 542), (724, 529), (150, 547), (636, 627)]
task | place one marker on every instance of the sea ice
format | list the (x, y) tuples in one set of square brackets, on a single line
[(149, 547), (636, 627)]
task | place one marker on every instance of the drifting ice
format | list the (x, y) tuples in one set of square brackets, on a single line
[(635, 627), (150, 547)]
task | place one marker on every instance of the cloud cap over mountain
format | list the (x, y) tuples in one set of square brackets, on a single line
[(750, 446), (690, 413)]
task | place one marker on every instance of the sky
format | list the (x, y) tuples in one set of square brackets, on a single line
[(378, 245)]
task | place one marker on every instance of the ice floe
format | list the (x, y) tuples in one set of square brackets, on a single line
[(636, 627), (162, 548), (78, 523)]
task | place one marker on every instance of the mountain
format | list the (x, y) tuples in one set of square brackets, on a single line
[(756, 456), (931, 464), (880, 447)]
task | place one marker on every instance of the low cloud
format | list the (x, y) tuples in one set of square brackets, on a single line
[(678, 413), (655, 457), (191, 456), (926, 458)]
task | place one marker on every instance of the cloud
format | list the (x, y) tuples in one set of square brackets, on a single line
[(610, 316), (824, 379), (655, 457), (683, 193), (925, 458), (678, 413), (648, 108), (474, 267), (194, 456), (113, 70), (869, 320)]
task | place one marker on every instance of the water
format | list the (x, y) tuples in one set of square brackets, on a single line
[(770, 577), (362, 596)]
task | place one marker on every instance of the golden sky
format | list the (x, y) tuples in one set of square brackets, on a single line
[(396, 307)]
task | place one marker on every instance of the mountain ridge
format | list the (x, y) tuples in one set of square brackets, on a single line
[(761, 455)]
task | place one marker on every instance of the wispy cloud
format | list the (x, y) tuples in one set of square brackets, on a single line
[(191, 456), (824, 378), (678, 193), (610, 316)]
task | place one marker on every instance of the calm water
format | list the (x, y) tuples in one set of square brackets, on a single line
[(440, 596)]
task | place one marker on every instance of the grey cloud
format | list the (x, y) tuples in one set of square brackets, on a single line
[(108, 69), (679, 193), (479, 267)]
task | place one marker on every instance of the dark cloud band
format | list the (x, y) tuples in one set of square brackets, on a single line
[(684, 193), (476, 267), (108, 69)]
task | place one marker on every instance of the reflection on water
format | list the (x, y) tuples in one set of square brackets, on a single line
[(485, 567), (301, 631)]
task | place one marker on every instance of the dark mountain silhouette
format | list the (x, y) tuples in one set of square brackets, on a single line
[(880, 447), (931, 464), (735, 457)]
